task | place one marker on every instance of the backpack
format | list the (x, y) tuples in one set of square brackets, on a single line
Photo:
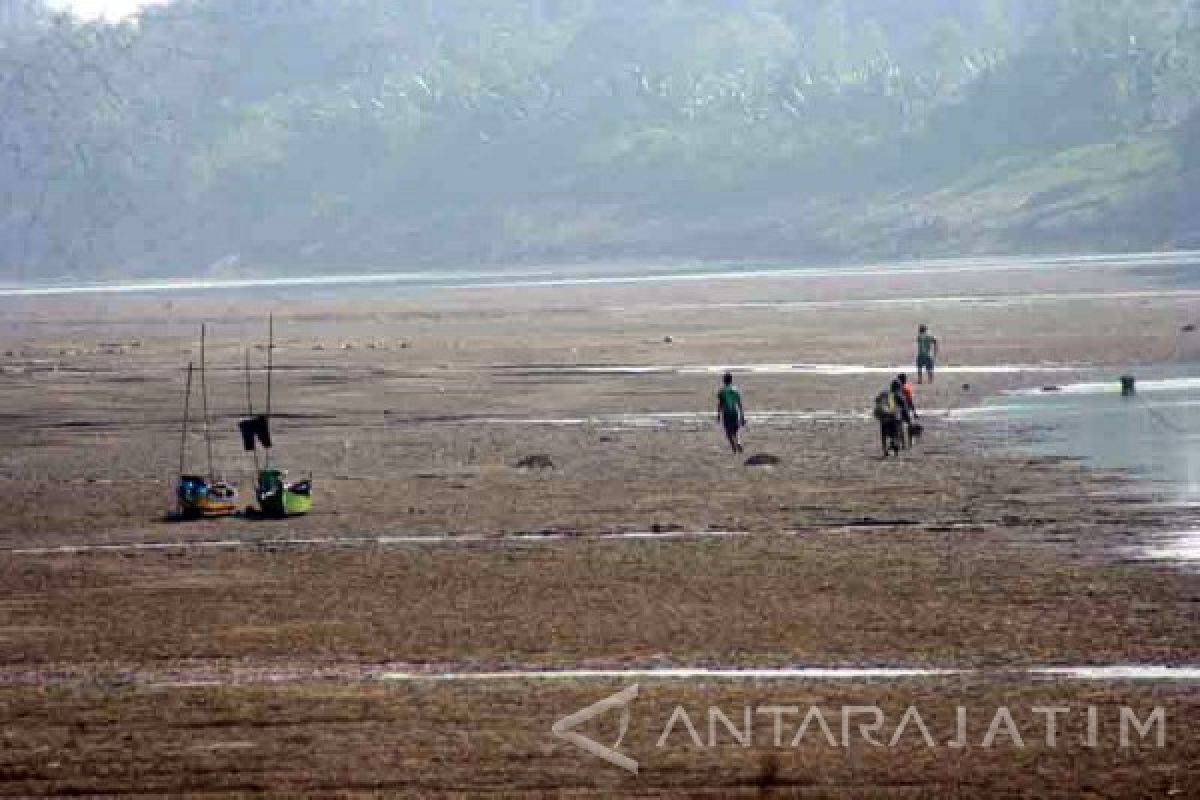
[(885, 405)]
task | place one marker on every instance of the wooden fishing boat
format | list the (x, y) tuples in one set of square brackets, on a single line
[(277, 498), (197, 496)]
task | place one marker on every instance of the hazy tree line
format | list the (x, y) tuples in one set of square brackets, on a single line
[(295, 133)]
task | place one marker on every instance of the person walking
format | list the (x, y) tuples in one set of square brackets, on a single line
[(909, 398), (887, 411), (730, 412), (927, 353)]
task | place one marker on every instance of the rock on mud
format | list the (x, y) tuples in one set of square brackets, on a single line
[(536, 461)]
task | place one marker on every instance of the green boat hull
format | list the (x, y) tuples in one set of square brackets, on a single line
[(279, 499), (285, 503)]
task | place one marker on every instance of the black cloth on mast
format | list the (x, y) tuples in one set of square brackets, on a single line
[(255, 429)]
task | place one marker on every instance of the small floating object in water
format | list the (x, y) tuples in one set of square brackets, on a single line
[(763, 460), (1051, 388), (1128, 386), (1189, 328), (668, 340), (966, 387)]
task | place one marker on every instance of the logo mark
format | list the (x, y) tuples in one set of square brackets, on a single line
[(565, 728)]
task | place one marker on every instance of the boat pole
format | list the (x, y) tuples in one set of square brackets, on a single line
[(250, 410), (270, 371), (183, 437), (204, 395), (187, 407)]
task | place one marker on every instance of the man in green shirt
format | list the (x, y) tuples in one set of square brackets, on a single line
[(730, 412), (927, 351)]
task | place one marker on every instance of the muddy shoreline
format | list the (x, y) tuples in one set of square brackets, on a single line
[(646, 544)]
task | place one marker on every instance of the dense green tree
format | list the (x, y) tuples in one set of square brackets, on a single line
[(340, 132)]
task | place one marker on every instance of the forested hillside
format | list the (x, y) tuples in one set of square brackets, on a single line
[(297, 135)]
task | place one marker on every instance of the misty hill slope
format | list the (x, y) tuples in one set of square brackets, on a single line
[(1124, 195), (358, 134), (1128, 195)]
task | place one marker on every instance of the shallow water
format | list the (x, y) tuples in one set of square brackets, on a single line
[(822, 370), (991, 300), (1154, 435), (431, 540), (615, 275), (1131, 673), (200, 674), (677, 673), (1186, 389), (690, 420), (1184, 546), (1121, 673)]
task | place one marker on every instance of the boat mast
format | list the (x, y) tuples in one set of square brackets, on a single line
[(249, 399), (204, 396), (250, 405), (270, 370), (187, 407)]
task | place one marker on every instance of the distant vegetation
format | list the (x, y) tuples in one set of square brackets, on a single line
[(226, 135)]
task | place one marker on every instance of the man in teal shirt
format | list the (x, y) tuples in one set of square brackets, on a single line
[(927, 351), (730, 412)]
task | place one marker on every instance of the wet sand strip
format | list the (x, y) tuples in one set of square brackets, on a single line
[(218, 674), (431, 540)]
